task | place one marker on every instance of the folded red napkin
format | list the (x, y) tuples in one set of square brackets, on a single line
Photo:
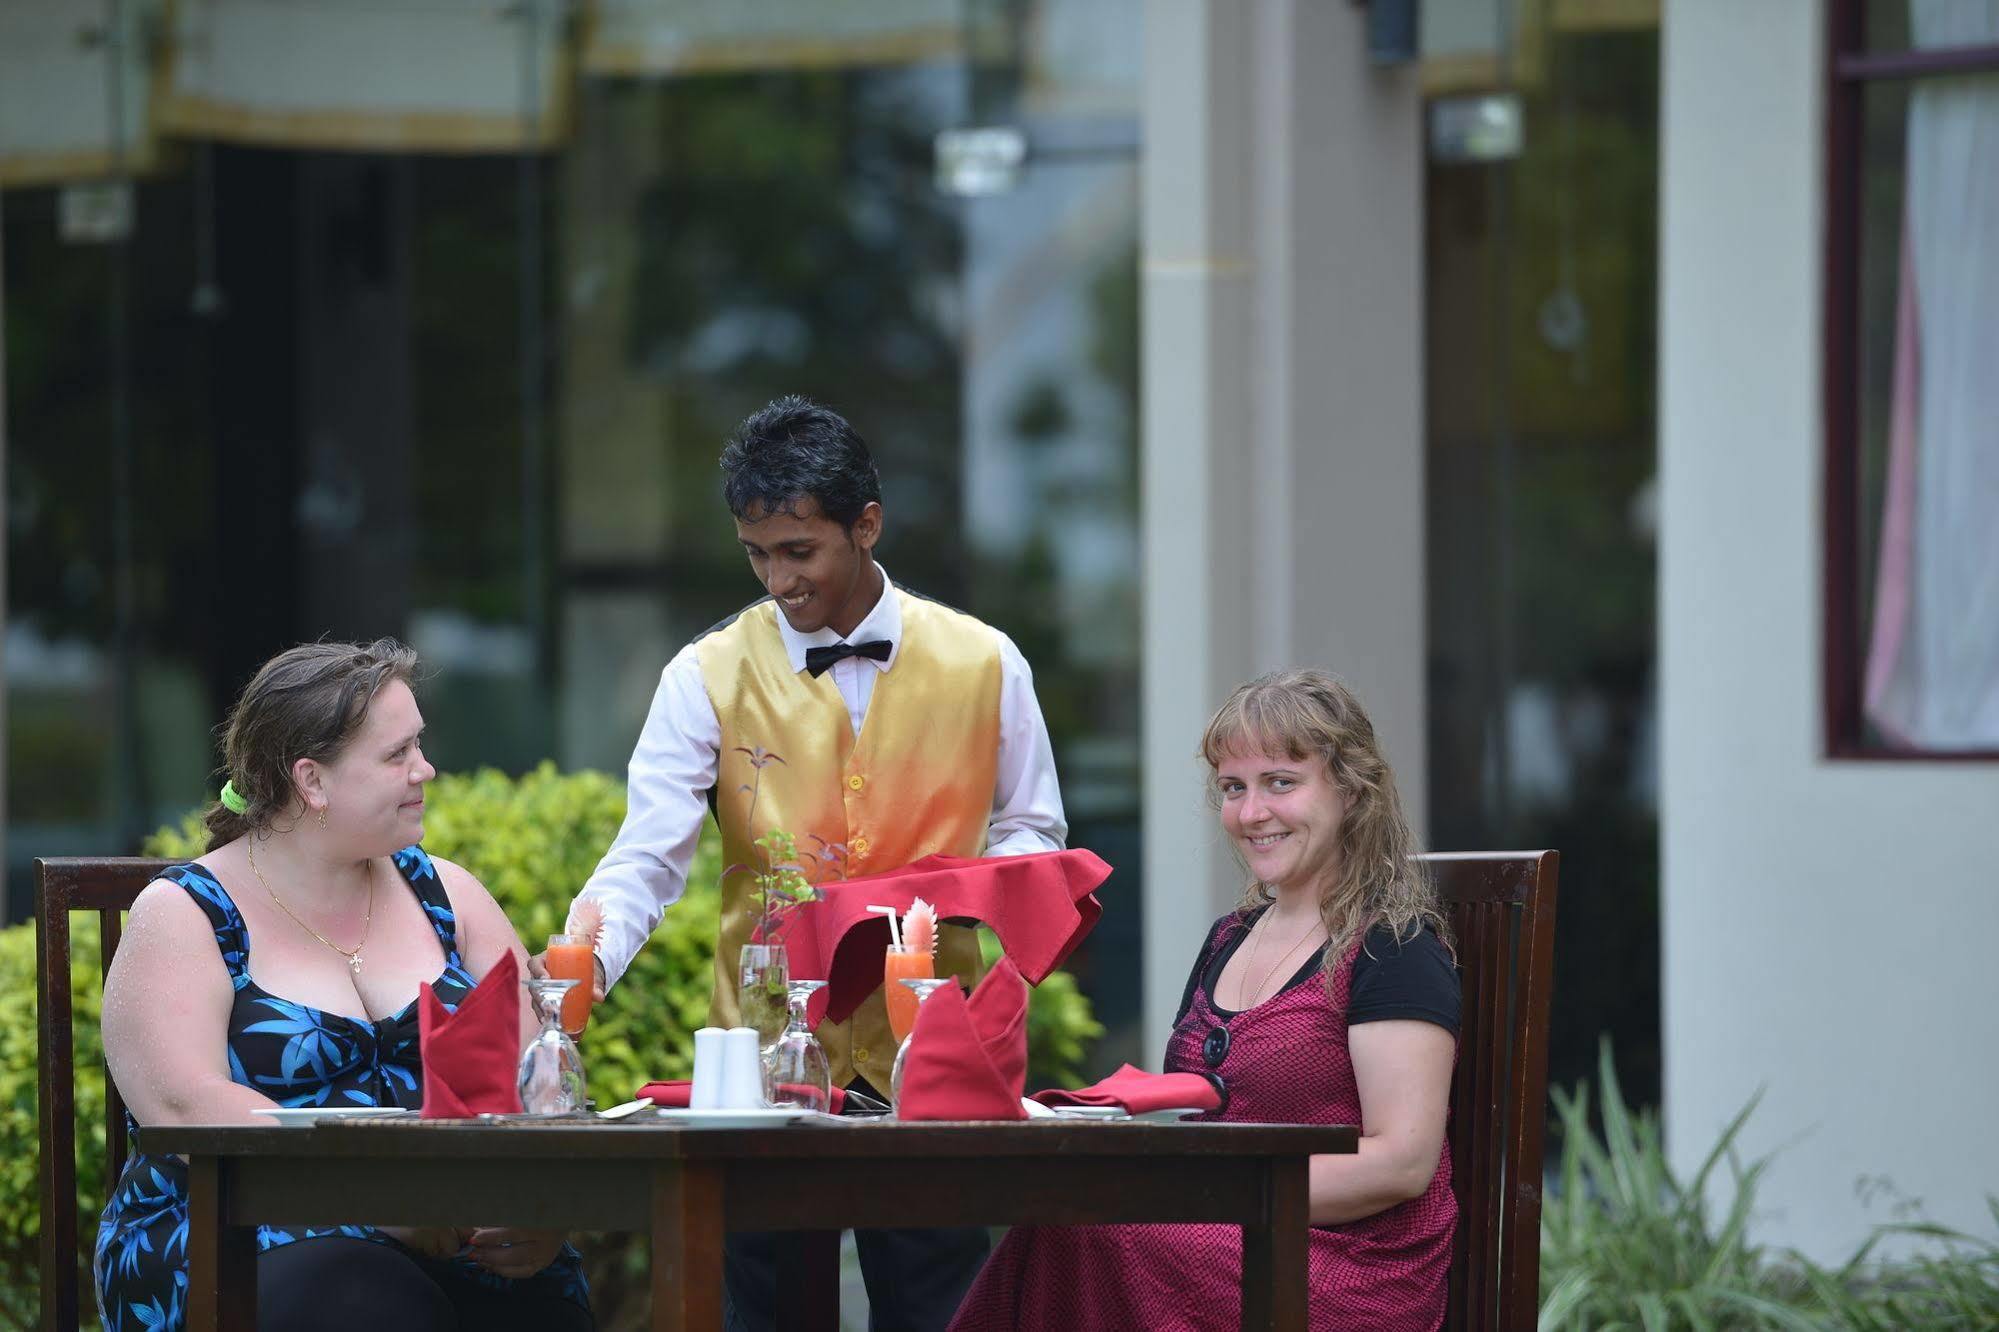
[(1140, 1092), (1040, 905), (968, 1057), (472, 1057), (675, 1093)]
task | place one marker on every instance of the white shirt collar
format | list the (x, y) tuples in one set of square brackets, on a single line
[(884, 621)]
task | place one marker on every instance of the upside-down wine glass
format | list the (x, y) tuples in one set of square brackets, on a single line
[(796, 1070), (551, 1081)]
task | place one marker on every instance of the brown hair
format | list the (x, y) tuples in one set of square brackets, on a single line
[(306, 702), (1308, 714)]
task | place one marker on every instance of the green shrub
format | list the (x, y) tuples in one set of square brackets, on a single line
[(532, 841), (1061, 1027), (1626, 1245), (1951, 1283), (20, 1149)]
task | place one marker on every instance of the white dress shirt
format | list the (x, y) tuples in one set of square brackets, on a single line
[(673, 769)]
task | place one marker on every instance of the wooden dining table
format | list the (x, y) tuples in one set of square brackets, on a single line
[(688, 1185)]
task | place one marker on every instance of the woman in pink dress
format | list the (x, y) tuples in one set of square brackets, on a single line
[(1329, 996)]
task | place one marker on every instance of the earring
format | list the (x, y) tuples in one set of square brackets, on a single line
[(322, 818)]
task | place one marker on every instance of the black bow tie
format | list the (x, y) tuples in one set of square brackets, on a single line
[(819, 660)]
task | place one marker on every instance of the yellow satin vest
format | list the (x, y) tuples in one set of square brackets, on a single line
[(917, 780)]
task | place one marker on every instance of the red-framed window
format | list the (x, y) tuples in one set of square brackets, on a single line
[(1911, 369)]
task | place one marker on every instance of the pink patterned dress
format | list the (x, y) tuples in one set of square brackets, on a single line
[(1286, 1063)]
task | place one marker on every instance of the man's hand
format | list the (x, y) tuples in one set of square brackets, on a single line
[(538, 968), (511, 1252)]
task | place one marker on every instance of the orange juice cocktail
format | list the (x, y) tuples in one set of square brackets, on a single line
[(570, 957), (903, 961)]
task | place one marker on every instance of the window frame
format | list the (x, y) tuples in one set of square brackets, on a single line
[(1850, 68)]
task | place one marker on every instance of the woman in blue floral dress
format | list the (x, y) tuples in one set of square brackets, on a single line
[(281, 969)]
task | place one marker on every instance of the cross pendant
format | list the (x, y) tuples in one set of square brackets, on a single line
[(354, 963)]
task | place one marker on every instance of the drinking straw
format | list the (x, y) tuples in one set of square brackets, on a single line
[(894, 925)]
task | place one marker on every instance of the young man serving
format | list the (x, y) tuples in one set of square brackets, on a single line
[(907, 729)]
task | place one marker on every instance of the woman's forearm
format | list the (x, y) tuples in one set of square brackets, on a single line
[(212, 1100), (1377, 1176)]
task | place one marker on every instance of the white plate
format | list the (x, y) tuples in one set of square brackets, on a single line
[(760, 1117), (306, 1114), (1170, 1115)]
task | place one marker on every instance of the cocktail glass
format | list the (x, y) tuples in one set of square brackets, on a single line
[(921, 988), (899, 963), (571, 957)]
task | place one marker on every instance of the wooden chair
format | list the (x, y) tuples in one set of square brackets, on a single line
[(106, 885), (1502, 909)]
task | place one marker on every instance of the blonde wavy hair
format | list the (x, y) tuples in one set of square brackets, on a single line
[(1308, 714)]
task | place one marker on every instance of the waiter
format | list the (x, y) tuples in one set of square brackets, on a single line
[(907, 729)]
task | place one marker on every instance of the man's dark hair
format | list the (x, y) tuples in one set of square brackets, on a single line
[(792, 450)]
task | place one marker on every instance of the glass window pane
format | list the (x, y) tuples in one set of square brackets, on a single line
[(1929, 279), (114, 554), (1902, 25), (724, 238), (1540, 487)]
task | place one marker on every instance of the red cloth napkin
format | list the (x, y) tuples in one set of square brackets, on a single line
[(472, 1058), (968, 1057), (1140, 1092), (1040, 905), (674, 1094)]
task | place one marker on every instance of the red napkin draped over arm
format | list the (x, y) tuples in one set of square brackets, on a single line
[(968, 1057), (1039, 905), (472, 1057), (1140, 1092)]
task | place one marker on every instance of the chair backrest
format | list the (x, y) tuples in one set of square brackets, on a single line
[(1502, 909), (106, 885)]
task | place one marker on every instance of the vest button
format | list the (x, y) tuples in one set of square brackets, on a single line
[(861, 1054), (860, 846), (856, 782)]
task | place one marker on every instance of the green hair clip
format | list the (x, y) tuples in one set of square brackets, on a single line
[(232, 800)]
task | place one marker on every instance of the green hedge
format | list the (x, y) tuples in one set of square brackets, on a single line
[(533, 842), (20, 1149)]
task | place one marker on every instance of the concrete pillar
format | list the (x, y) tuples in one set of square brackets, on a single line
[(1282, 461)]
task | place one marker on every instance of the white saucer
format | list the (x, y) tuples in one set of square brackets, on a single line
[(758, 1117), (296, 1115), (1169, 1115)]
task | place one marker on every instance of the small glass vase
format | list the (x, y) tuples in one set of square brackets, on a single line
[(763, 979), (551, 1077)]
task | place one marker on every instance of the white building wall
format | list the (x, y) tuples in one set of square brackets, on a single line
[(1282, 457), (1829, 928)]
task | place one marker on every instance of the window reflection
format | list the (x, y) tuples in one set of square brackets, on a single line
[(352, 375)]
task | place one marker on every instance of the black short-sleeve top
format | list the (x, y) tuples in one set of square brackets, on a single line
[(1393, 978)]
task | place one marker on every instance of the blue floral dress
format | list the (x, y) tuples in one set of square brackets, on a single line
[(297, 1056)]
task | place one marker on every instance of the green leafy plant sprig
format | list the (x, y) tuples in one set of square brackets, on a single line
[(782, 881)]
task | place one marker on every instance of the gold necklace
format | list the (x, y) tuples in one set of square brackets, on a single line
[(353, 955), (1249, 997)]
